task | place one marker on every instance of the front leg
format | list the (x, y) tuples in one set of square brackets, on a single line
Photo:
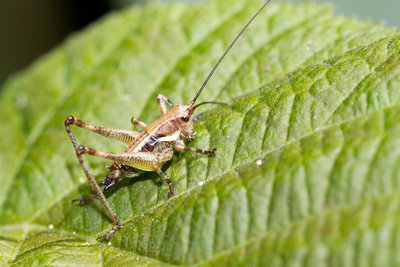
[(180, 146), (162, 100)]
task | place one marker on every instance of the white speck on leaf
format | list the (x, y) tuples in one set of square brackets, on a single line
[(22, 101)]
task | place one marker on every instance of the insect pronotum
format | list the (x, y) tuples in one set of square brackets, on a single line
[(149, 149)]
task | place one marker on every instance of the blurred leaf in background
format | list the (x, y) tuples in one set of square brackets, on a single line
[(384, 10), (46, 23)]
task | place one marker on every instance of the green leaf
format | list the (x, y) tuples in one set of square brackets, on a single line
[(306, 171)]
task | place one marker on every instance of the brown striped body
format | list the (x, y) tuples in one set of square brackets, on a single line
[(159, 137)]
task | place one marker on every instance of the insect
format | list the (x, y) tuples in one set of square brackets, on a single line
[(149, 149)]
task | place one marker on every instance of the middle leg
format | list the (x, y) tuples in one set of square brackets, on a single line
[(117, 172), (139, 123)]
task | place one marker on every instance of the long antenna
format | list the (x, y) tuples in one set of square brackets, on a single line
[(226, 52)]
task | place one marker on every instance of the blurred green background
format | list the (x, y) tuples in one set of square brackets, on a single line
[(29, 29)]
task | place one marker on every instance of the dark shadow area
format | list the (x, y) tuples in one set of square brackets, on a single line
[(129, 181), (29, 29), (85, 189)]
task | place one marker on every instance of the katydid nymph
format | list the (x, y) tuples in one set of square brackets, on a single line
[(148, 149)]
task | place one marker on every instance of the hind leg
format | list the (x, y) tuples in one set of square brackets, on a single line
[(95, 187)]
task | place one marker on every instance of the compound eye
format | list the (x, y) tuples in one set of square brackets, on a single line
[(186, 118)]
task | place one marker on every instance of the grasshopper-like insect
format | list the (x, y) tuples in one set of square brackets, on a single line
[(149, 149)]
